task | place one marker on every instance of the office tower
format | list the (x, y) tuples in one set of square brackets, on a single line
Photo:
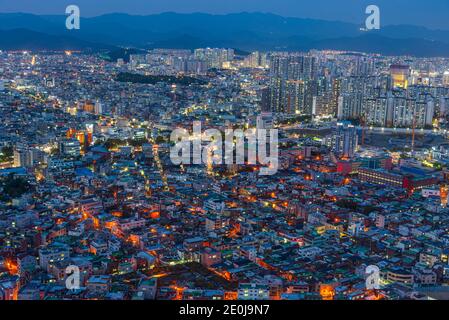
[(70, 147), (344, 140), (400, 75)]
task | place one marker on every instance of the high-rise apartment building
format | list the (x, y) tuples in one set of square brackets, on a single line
[(293, 84), (215, 57)]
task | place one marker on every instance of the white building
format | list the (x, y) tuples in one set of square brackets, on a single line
[(253, 291)]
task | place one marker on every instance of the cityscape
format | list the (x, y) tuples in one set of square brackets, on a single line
[(329, 179)]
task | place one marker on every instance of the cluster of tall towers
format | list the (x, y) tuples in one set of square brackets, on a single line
[(292, 84), (351, 88)]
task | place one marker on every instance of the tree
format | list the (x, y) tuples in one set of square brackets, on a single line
[(114, 143), (15, 187), (7, 154), (136, 142), (160, 139)]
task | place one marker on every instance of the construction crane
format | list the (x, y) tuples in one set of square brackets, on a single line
[(413, 131), (363, 125)]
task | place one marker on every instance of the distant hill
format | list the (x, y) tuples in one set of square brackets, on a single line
[(245, 31), (23, 39), (122, 53), (151, 79)]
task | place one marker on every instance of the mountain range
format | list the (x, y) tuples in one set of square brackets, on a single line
[(244, 31)]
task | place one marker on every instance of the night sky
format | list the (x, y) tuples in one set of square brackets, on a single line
[(429, 13)]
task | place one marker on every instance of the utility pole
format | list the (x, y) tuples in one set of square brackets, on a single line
[(363, 124)]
